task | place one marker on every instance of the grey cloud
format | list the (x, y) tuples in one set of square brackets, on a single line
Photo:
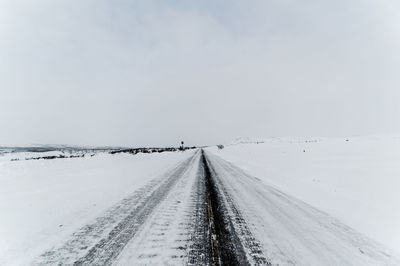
[(154, 72)]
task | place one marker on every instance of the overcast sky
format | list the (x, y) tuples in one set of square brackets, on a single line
[(125, 72)]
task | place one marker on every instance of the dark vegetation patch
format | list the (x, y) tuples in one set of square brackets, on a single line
[(150, 150), (60, 156), (81, 152)]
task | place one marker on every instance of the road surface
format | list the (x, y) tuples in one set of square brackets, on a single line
[(207, 211)]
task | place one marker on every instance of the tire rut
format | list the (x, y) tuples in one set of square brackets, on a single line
[(165, 238), (187, 218), (199, 249), (234, 243)]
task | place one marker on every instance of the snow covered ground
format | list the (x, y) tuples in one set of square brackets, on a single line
[(42, 202), (280, 201), (356, 179)]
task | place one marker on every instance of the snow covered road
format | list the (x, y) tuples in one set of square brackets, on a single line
[(207, 211), (101, 242)]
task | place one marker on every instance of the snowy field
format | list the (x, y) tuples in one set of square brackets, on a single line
[(279, 200), (44, 201), (356, 179)]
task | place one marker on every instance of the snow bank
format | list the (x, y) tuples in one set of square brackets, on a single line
[(44, 201), (356, 180)]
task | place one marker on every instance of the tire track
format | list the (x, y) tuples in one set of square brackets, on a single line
[(165, 238), (199, 249), (187, 218)]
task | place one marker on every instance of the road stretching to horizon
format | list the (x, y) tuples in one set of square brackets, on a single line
[(207, 211)]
